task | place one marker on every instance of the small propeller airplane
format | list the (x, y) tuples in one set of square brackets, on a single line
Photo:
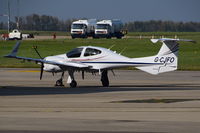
[(101, 60)]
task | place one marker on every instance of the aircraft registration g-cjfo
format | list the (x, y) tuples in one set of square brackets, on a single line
[(101, 60)]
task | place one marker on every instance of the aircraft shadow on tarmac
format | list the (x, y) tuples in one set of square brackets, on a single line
[(13, 90)]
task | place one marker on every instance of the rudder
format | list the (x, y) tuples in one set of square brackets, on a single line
[(167, 58)]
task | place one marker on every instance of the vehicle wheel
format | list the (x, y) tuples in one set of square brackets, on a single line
[(108, 37), (105, 82), (119, 37), (59, 83), (85, 37), (73, 84)]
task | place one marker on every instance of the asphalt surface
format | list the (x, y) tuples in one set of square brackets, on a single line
[(134, 102)]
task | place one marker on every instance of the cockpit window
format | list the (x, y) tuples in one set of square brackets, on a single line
[(75, 53), (91, 51)]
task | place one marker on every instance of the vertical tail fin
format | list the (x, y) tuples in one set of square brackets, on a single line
[(167, 57)]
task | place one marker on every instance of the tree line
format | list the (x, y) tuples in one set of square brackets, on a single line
[(49, 23), (167, 26)]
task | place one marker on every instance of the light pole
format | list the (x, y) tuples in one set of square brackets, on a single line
[(5, 15), (8, 16)]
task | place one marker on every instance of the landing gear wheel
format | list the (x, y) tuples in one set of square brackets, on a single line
[(59, 83), (105, 83), (104, 78), (73, 84)]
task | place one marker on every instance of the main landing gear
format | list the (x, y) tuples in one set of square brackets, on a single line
[(104, 78), (71, 81), (73, 84)]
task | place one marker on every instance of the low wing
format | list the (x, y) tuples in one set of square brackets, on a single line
[(13, 54)]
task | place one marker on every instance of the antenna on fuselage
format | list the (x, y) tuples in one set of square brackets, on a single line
[(112, 46), (122, 51)]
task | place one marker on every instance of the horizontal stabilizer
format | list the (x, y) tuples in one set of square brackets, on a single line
[(171, 39), (167, 57)]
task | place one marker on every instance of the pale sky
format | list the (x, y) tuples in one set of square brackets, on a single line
[(126, 10)]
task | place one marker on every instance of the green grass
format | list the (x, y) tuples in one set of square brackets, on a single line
[(189, 55), (166, 34)]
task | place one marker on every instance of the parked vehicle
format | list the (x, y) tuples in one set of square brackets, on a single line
[(109, 28), (83, 28), (15, 35)]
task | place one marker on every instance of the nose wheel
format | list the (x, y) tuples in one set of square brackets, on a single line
[(60, 81)]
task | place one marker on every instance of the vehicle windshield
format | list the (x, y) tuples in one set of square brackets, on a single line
[(102, 26), (78, 26), (74, 53)]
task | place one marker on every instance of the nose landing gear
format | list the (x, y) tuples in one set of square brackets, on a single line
[(71, 81), (59, 82)]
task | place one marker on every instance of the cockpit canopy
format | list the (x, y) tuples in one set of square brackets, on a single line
[(74, 53), (91, 52), (77, 52)]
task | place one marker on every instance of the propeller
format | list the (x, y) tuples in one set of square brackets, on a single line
[(41, 70), (42, 64), (35, 48)]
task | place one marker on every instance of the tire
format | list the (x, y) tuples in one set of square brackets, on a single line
[(105, 83), (73, 84), (85, 37), (59, 83), (108, 37), (104, 78), (119, 37)]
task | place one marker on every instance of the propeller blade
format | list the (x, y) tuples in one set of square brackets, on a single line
[(41, 70), (35, 48)]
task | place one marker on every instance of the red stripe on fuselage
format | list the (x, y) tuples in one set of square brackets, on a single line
[(86, 59)]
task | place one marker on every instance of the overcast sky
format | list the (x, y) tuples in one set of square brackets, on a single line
[(126, 10)]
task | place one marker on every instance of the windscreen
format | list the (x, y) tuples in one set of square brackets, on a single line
[(78, 26), (75, 53), (102, 26)]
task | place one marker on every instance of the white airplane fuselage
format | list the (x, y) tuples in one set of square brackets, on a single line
[(107, 59)]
